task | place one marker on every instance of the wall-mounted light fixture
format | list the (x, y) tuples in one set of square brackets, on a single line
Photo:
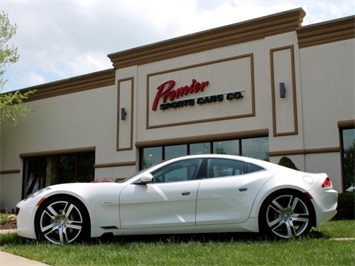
[(282, 90), (123, 113)]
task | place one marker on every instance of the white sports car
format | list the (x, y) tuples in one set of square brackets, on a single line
[(191, 194)]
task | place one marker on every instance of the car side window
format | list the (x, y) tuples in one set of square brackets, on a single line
[(225, 167), (251, 168), (178, 171)]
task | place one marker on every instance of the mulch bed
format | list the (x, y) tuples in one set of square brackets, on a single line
[(10, 225)]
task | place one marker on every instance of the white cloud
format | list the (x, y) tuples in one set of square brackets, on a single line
[(33, 78), (58, 39), (86, 63)]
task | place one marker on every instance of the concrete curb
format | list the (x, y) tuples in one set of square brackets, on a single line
[(8, 259)]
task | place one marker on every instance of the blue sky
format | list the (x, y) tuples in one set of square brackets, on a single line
[(59, 39)]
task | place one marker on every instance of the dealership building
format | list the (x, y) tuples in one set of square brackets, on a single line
[(263, 88)]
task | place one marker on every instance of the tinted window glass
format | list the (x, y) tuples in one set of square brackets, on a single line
[(253, 168), (152, 156), (200, 148), (257, 148), (177, 172), (226, 147), (175, 151), (40, 172), (225, 167), (252, 147), (348, 149)]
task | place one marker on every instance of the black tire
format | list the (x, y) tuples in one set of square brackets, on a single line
[(62, 220), (286, 214)]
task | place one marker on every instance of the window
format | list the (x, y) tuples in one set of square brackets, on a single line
[(250, 147), (200, 148), (178, 171), (348, 157), (175, 151), (223, 167), (257, 148), (251, 168), (151, 156), (226, 147), (40, 172)]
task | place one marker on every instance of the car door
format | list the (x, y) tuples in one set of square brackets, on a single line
[(228, 193), (170, 200)]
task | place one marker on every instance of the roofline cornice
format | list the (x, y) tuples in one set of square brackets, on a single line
[(219, 37), (310, 35), (71, 85), (326, 32)]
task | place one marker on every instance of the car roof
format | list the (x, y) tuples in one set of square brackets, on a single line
[(222, 156)]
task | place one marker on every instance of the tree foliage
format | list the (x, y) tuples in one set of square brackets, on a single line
[(11, 104), (287, 162)]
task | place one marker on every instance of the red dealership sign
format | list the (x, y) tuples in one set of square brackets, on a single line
[(167, 92), (168, 96)]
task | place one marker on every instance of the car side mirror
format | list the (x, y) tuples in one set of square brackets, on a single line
[(146, 178)]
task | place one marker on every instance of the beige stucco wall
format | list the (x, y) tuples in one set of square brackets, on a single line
[(328, 96), (178, 69), (328, 89), (322, 78), (72, 121)]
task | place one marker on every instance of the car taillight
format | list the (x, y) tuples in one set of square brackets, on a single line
[(327, 183)]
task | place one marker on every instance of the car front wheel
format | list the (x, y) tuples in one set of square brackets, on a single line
[(62, 220), (286, 215)]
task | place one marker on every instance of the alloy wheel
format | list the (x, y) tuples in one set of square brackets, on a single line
[(61, 222), (287, 216)]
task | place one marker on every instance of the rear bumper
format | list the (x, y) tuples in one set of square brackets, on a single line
[(325, 206)]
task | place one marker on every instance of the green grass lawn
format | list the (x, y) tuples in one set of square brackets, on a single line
[(322, 246)]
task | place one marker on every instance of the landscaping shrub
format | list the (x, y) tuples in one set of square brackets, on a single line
[(346, 206), (287, 162)]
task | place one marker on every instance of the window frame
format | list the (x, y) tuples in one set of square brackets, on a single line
[(207, 144), (40, 164), (342, 155), (161, 172)]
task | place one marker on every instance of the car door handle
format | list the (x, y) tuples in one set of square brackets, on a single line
[(243, 189), (185, 193)]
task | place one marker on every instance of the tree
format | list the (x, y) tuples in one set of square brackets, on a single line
[(11, 104), (287, 162)]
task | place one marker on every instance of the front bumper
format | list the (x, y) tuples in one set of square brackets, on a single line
[(25, 221)]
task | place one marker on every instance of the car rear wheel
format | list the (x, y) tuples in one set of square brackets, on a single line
[(286, 214), (62, 220)]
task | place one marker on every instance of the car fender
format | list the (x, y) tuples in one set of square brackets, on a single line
[(100, 199), (277, 183)]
